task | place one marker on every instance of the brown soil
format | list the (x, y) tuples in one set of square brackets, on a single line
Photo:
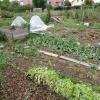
[(65, 67), (20, 88), (87, 36)]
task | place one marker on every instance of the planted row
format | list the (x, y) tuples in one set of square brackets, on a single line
[(26, 50), (68, 45), (2, 65), (63, 86)]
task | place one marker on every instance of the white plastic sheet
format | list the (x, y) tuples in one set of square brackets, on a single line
[(96, 1), (36, 24), (18, 21)]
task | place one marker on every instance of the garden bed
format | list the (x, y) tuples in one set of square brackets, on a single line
[(88, 36), (19, 88), (77, 72)]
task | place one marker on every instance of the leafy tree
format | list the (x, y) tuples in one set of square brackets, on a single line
[(39, 3)]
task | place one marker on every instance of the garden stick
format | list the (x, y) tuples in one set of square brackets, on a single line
[(48, 53)]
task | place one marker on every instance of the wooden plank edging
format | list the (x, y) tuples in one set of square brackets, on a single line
[(68, 59)]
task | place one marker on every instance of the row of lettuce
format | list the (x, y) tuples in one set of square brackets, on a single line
[(63, 86)]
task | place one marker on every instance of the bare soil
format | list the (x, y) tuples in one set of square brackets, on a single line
[(18, 87), (67, 68), (88, 36)]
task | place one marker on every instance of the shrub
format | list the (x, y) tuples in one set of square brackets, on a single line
[(67, 3), (64, 86), (15, 7), (88, 2), (14, 4), (4, 4), (6, 14), (39, 4), (25, 7)]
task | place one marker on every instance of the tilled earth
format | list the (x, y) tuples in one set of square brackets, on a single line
[(18, 87)]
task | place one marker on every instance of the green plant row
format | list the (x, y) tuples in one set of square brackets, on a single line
[(2, 65), (2, 60), (26, 50), (63, 86), (68, 45)]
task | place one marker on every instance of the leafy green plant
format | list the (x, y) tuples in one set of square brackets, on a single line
[(68, 45), (2, 60), (6, 14), (2, 66), (64, 86), (90, 74), (39, 4), (26, 50)]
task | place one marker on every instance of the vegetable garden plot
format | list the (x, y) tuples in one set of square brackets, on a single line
[(63, 86), (67, 45)]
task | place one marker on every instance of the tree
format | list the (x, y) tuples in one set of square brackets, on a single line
[(39, 3)]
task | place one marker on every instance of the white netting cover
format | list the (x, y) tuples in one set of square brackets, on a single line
[(36, 24), (18, 21)]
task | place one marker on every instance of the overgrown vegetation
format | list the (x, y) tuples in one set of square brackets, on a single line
[(40, 4), (63, 86), (83, 14), (8, 6), (6, 14)]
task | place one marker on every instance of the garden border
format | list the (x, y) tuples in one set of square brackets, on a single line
[(67, 58)]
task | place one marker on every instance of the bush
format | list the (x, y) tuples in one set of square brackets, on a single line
[(25, 7), (6, 14), (88, 2), (2, 61), (15, 7), (39, 4), (63, 86), (4, 4), (67, 3)]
